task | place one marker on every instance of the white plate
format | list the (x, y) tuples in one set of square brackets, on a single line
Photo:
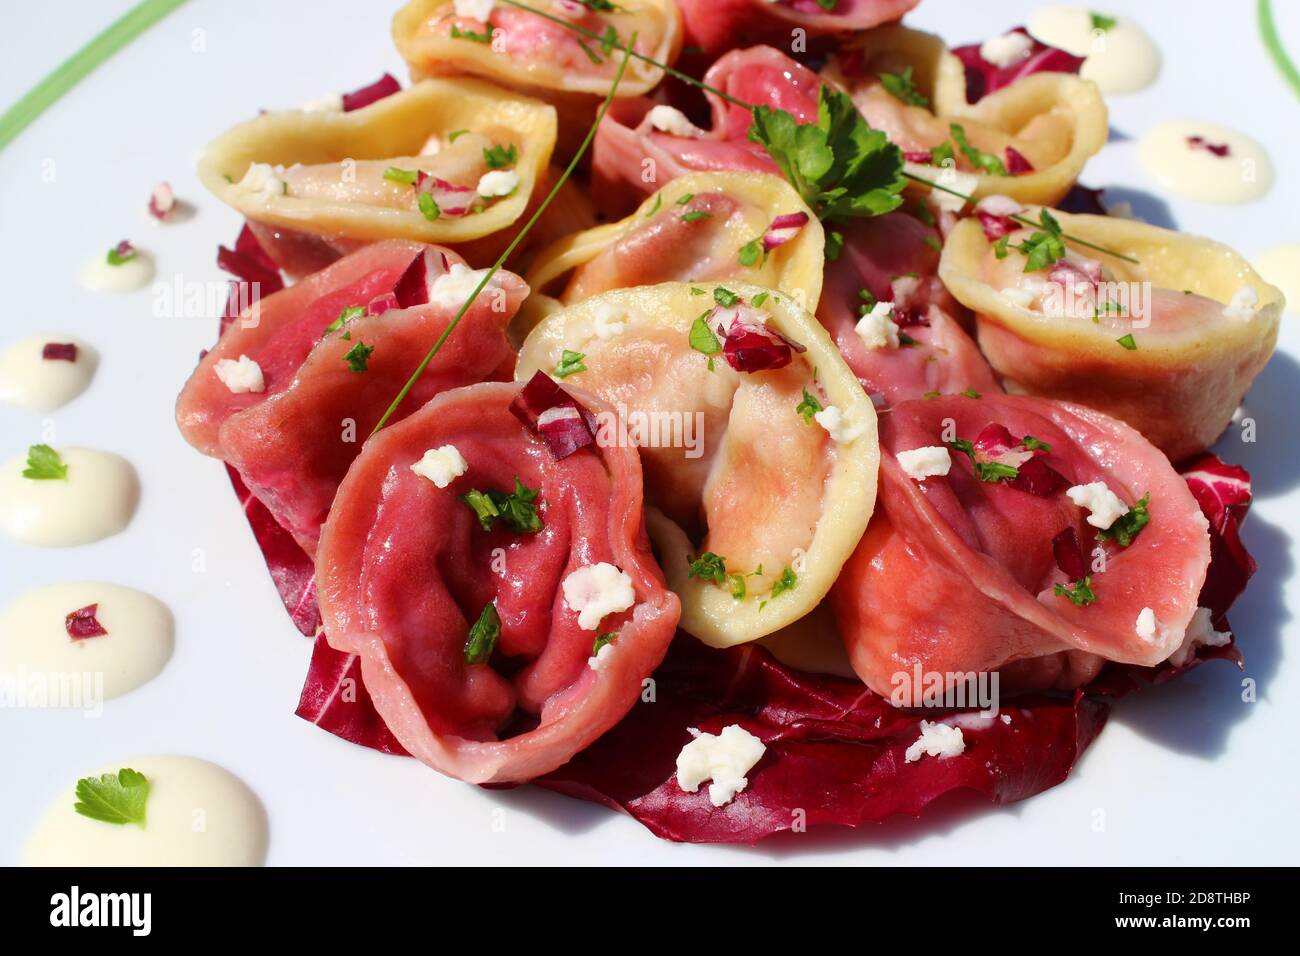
[(1185, 773)]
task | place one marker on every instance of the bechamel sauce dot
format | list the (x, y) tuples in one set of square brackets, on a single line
[(98, 275), (31, 381), (197, 814), (35, 645), (1122, 59), (1280, 266), (98, 499), (1243, 174)]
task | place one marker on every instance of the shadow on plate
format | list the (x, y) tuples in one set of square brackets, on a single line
[(1273, 458), (1146, 206)]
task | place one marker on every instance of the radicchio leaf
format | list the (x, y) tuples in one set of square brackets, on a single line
[(386, 85), (1016, 163), (983, 77), (1069, 555), (749, 344), (415, 284), (256, 274), (334, 699), (782, 229), (554, 415)]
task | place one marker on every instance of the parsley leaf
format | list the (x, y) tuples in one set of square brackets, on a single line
[(703, 339), (485, 37), (44, 464), (659, 201), (725, 297), (1080, 595), (1044, 247), (483, 636), (839, 165), (1033, 444), (117, 798), (1102, 22), (407, 177), (516, 510), (786, 582), (695, 215), (984, 470), (428, 206), (1128, 342), (570, 364), (1128, 525), (358, 357), (808, 407), (977, 158), (346, 316), (498, 156), (601, 640), (751, 253), (708, 567), (900, 87)]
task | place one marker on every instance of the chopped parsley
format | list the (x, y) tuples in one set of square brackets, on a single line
[(483, 636), (499, 156), (751, 253), (1043, 247), (901, 87), (407, 177), (428, 206), (117, 798), (703, 339), (808, 407), (685, 199), (977, 158), (695, 215), (725, 297), (1080, 593), (1033, 444), (1128, 525), (868, 301), (659, 201), (934, 243), (924, 213), (786, 582), (1128, 342), (758, 300), (516, 510), (346, 316), (570, 364), (1102, 22), (485, 37), (984, 470), (451, 137), (969, 393), (708, 567), (601, 640), (358, 357), (121, 254), (44, 464)]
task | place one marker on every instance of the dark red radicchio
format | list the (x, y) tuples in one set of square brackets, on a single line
[(983, 77), (554, 415), (750, 344), (82, 623), (385, 86)]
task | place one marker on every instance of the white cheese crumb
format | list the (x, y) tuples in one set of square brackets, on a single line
[(927, 462), (1243, 304), (1200, 631), (498, 182), (876, 329), (844, 429), (609, 321), (1104, 505), (598, 590), (601, 658), (441, 465), (668, 119), (1006, 719), (261, 180), (330, 103), (936, 740), (453, 287), (1007, 49), (724, 758), (474, 9), (999, 205), (1146, 624), (240, 376)]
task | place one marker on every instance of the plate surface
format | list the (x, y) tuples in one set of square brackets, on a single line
[(1185, 773)]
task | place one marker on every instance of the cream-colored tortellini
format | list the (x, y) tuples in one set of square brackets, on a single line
[(1168, 344), (757, 442), (448, 161)]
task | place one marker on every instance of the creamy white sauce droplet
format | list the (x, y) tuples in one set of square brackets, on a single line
[(1280, 266), (1196, 172), (36, 650), (29, 380), (1120, 59), (198, 814), (98, 275), (97, 499)]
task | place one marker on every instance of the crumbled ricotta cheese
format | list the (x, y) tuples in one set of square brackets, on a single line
[(1006, 719), (936, 740), (441, 465), (1104, 505), (601, 658), (330, 103), (609, 321), (242, 375), (1200, 631), (597, 590), (724, 758), (498, 182), (1146, 624), (1027, 292), (845, 429), (262, 181), (927, 462), (474, 9), (1243, 303), (876, 329), (1004, 50), (453, 287), (999, 205), (668, 119)]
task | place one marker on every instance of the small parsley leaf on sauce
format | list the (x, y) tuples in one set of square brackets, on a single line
[(117, 798), (44, 464), (570, 364), (483, 636)]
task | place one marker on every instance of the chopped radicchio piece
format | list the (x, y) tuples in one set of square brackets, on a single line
[(749, 344), (1222, 150), (415, 284), (162, 201), (995, 227), (82, 623), (983, 77), (1038, 478), (554, 415), (1016, 162), (386, 85), (783, 229), (382, 303), (452, 200), (59, 351), (1069, 555)]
